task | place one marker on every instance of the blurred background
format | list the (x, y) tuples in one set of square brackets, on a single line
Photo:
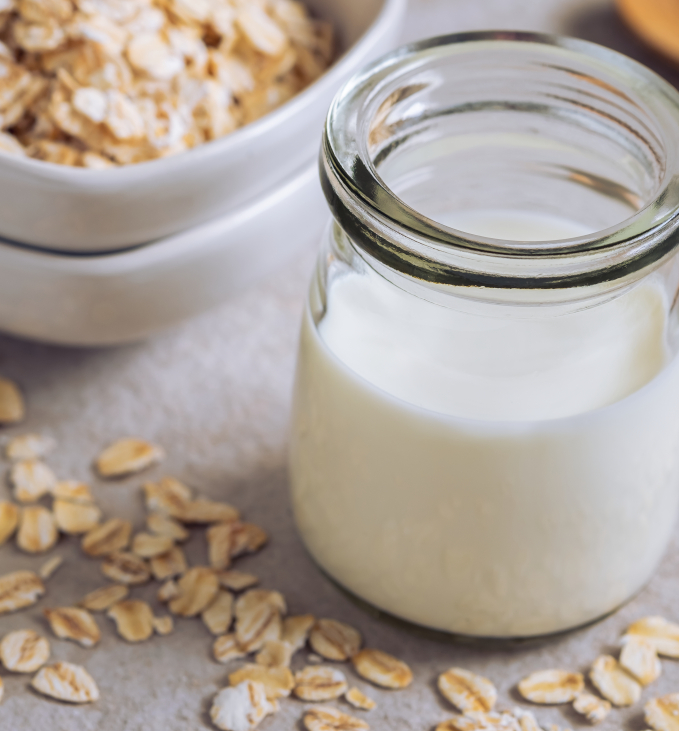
[(593, 20)]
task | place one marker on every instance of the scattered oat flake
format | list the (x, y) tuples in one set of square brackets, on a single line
[(334, 640), (113, 535), (101, 599), (253, 598), (662, 714), (31, 479), (527, 721), (167, 497), (359, 700), (664, 635), (505, 720), (66, 682), (163, 525), (37, 530), (29, 446), (296, 630), (169, 590), (50, 566), (74, 623), (467, 691), (125, 568), (24, 651), (9, 520), (482, 721), (19, 589), (319, 683), (274, 654), (240, 707), (167, 565), (237, 580), (198, 588), (76, 518), (148, 545), (207, 511), (218, 616), (246, 538), (12, 408), (614, 682), (127, 456), (326, 718), (277, 682), (382, 669), (163, 625), (640, 659), (219, 545), (133, 618), (464, 723), (73, 491), (551, 686), (256, 625), (226, 648), (593, 708)]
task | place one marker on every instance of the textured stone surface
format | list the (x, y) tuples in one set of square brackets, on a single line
[(215, 394)]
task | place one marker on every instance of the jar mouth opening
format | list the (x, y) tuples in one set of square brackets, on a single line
[(540, 124)]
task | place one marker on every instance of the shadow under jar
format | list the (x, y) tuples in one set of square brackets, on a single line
[(485, 437)]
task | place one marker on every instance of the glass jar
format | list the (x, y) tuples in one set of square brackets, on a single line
[(485, 437)]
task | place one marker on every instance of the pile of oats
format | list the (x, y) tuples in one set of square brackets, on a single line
[(97, 83)]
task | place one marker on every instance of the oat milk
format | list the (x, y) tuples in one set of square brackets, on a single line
[(497, 477)]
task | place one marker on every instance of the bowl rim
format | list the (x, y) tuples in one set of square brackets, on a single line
[(246, 135), (189, 242)]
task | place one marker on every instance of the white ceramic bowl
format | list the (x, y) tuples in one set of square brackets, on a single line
[(114, 297), (106, 299), (79, 210)]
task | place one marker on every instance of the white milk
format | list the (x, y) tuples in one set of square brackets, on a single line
[(500, 477), (512, 225)]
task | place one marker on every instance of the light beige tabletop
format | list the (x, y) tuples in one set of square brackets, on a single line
[(215, 393)]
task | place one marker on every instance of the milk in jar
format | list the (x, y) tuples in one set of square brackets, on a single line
[(485, 430)]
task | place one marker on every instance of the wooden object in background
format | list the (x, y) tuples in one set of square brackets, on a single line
[(656, 22)]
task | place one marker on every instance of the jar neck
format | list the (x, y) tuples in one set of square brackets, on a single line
[(399, 112)]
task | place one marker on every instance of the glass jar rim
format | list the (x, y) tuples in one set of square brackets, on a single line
[(404, 239)]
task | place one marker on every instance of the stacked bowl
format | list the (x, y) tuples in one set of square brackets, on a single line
[(96, 257)]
